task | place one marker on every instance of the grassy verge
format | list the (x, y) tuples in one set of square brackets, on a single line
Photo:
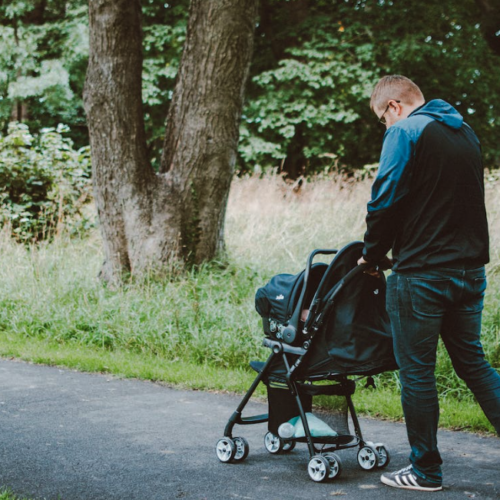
[(199, 329), (382, 402), (126, 364)]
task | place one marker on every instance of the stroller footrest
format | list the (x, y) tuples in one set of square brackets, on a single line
[(255, 419), (341, 440)]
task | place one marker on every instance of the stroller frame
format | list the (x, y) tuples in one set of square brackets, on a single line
[(324, 463)]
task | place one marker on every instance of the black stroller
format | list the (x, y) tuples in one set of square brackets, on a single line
[(323, 325)]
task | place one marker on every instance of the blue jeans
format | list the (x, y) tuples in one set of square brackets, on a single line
[(421, 306)]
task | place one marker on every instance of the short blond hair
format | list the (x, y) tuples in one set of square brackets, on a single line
[(395, 87)]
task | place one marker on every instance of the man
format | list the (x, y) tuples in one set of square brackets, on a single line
[(427, 205)]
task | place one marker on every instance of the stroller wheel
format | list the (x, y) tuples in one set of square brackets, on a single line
[(319, 468), (384, 456), (335, 465), (367, 458), (225, 449), (242, 449), (273, 443), (288, 446)]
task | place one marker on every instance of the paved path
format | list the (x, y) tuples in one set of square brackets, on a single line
[(75, 436)]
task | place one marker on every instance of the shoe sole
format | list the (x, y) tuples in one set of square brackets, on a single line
[(388, 482)]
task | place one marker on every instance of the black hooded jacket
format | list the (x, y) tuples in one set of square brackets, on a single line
[(427, 201)]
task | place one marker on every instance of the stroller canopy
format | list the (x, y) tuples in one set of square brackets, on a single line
[(353, 335)]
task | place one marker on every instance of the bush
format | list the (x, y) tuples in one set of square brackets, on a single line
[(44, 183)]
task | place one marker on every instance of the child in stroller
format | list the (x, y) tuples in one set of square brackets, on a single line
[(322, 326)]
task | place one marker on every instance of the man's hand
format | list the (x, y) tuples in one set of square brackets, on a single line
[(375, 270)]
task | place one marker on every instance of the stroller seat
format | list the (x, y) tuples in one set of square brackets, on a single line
[(345, 333)]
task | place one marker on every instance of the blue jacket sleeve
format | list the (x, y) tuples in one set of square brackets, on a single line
[(389, 189)]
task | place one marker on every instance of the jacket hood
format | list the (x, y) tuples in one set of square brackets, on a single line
[(442, 112)]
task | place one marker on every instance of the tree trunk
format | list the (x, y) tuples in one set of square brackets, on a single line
[(202, 125), (295, 163), (147, 219)]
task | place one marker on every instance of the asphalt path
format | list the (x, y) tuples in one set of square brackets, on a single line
[(75, 436)]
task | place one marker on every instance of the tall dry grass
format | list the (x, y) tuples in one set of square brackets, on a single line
[(273, 225)]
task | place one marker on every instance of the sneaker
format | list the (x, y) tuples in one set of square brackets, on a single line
[(408, 480)]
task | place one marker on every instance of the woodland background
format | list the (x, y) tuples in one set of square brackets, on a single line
[(314, 65)]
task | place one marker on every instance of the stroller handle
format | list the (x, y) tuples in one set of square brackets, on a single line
[(310, 260), (320, 251), (290, 331)]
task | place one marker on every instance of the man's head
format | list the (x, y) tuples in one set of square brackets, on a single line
[(394, 98)]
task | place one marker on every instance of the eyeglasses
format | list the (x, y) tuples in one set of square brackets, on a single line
[(382, 119)]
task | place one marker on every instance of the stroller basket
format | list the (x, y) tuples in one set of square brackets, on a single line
[(322, 326)]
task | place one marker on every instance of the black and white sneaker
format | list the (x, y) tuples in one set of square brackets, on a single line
[(408, 480)]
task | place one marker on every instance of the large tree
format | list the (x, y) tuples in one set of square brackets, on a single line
[(148, 218)]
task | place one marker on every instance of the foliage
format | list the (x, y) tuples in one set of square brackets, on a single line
[(43, 63), (45, 55), (314, 66), (311, 100), (6, 494), (308, 99), (44, 183), (440, 46)]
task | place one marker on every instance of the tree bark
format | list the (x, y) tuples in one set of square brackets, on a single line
[(201, 137), (148, 219)]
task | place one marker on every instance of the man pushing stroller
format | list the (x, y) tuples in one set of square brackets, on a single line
[(427, 206)]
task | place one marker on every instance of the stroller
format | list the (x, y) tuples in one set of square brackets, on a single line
[(324, 325)]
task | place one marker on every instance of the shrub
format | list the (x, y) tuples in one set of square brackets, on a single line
[(44, 183)]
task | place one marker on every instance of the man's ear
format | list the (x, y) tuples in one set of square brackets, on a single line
[(397, 106)]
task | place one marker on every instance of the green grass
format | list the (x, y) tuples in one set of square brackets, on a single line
[(126, 364), (199, 329), (6, 494)]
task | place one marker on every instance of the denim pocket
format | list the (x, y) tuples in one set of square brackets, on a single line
[(428, 296), (479, 285), (474, 295)]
